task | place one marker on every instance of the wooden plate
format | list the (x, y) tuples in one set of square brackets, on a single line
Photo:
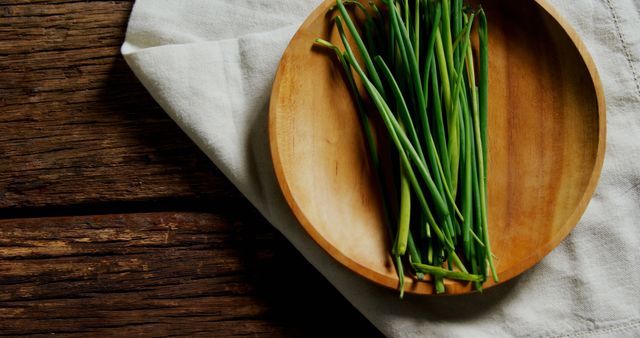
[(546, 144)]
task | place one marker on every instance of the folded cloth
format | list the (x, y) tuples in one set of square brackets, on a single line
[(210, 65)]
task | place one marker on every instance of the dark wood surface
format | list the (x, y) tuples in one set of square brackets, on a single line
[(112, 222)]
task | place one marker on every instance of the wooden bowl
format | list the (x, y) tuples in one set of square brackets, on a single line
[(546, 144)]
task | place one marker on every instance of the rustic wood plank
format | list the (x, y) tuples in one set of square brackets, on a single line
[(36, 26), (76, 125), (159, 274)]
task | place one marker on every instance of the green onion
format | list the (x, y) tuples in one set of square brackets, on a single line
[(433, 112)]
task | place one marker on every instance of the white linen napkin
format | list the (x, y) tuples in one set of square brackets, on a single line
[(210, 65)]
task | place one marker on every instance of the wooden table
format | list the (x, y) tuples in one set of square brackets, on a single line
[(112, 222)]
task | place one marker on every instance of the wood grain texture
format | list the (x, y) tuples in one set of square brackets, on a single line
[(80, 137), (161, 274), (72, 111), (546, 143)]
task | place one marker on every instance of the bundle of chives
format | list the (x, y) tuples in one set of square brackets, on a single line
[(418, 70)]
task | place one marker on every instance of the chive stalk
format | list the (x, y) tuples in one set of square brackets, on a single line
[(437, 130)]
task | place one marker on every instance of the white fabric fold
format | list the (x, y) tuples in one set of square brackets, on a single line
[(210, 65)]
